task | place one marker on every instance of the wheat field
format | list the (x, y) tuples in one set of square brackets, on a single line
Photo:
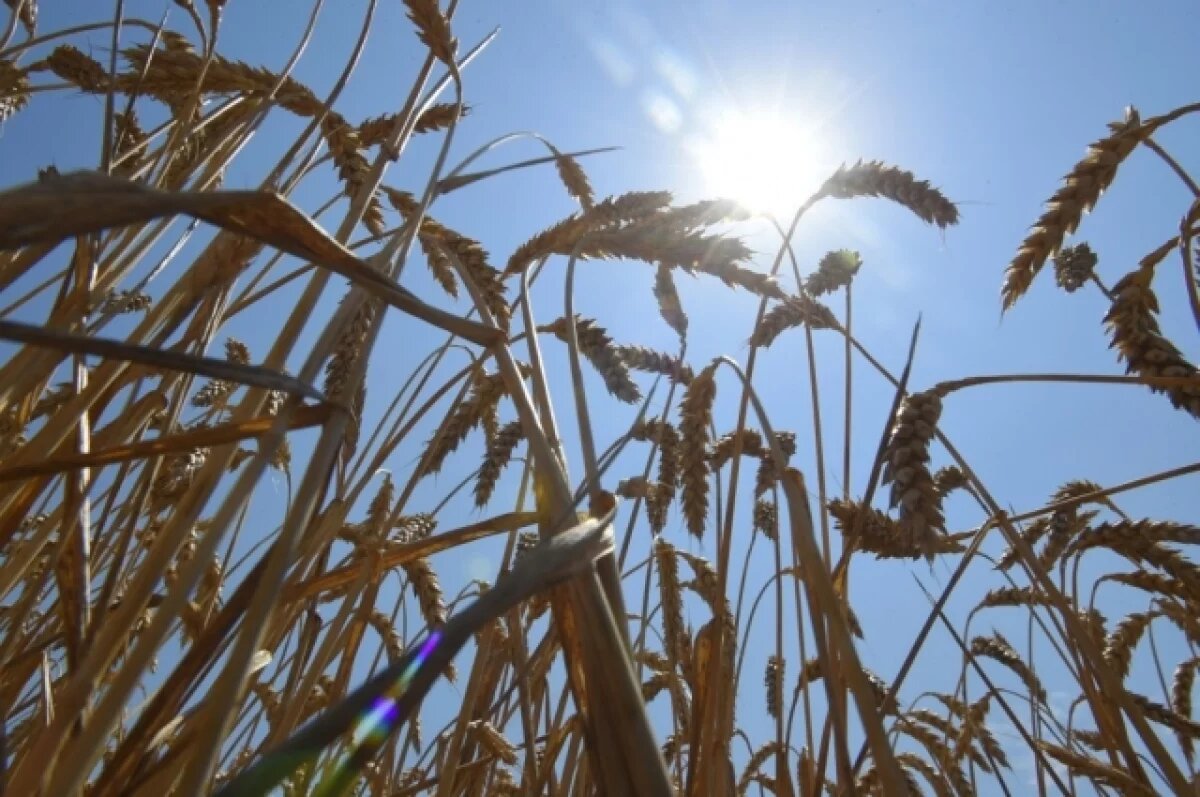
[(220, 556)]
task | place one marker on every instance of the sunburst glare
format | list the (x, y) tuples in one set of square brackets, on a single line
[(768, 161)]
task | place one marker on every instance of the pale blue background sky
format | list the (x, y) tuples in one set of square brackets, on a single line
[(992, 102)]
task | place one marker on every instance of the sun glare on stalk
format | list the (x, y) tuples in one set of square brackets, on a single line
[(767, 161)]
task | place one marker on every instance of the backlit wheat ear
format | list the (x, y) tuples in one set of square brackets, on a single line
[(1181, 700), (1118, 649), (675, 635), (602, 353), (374, 131), (486, 391), (767, 473), (883, 536), (906, 468), (669, 305), (1123, 538), (433, 29), (495, 459), (440, 244), (1083, 766), (695, 420), (641, 358), (1079, 193), (1165, 716), (998, 648), (836, 270), (574, 179), (1138, 338), (792, 312), (722, 450), (1014, 596), (873, 178)]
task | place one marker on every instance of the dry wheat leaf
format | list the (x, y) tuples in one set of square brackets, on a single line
[(157, 358), (86, 202), (304, 417)]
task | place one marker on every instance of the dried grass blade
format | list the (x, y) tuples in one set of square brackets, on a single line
[(304, 417), (85, 202), (157, 358)]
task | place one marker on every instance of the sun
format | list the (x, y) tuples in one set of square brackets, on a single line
[(768, 161)]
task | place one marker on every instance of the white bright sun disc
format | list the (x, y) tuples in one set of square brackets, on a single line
[(766, 161)]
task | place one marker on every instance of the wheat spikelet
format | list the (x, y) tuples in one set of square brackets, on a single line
[(998, 648), (706, 584), (636, 487), (1165, 716), (1032, 534), (1143, 549), (350, 347), (1138, 338), (768, 474), (1079, 193), (974, 729), (440, 243), (675, 637), (493, 741), (1074, 266), (872, 178), (760, 757), (375, 130), (836, 270), (1065, 525), (387, 632), (879, 534), (766, 518), (722, 449), (1118, 648), (948, 479), (669, 304), (906, 468), (559, 238), (1181, 700), (427, 589), (695, 420), (486, 390), (574, 179), (1143, 531), (933, 720), (1014, 596), (127, 137), (1084, 766), (495, 459), (602, 353), (1184, 617), (68, 63), (789, 313), (629, 207), (940, 752), (911, 761), (641, 358), (433, 29), (1090, 738), (1155, 583)]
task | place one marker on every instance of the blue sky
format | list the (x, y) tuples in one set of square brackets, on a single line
[(992, 102)]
